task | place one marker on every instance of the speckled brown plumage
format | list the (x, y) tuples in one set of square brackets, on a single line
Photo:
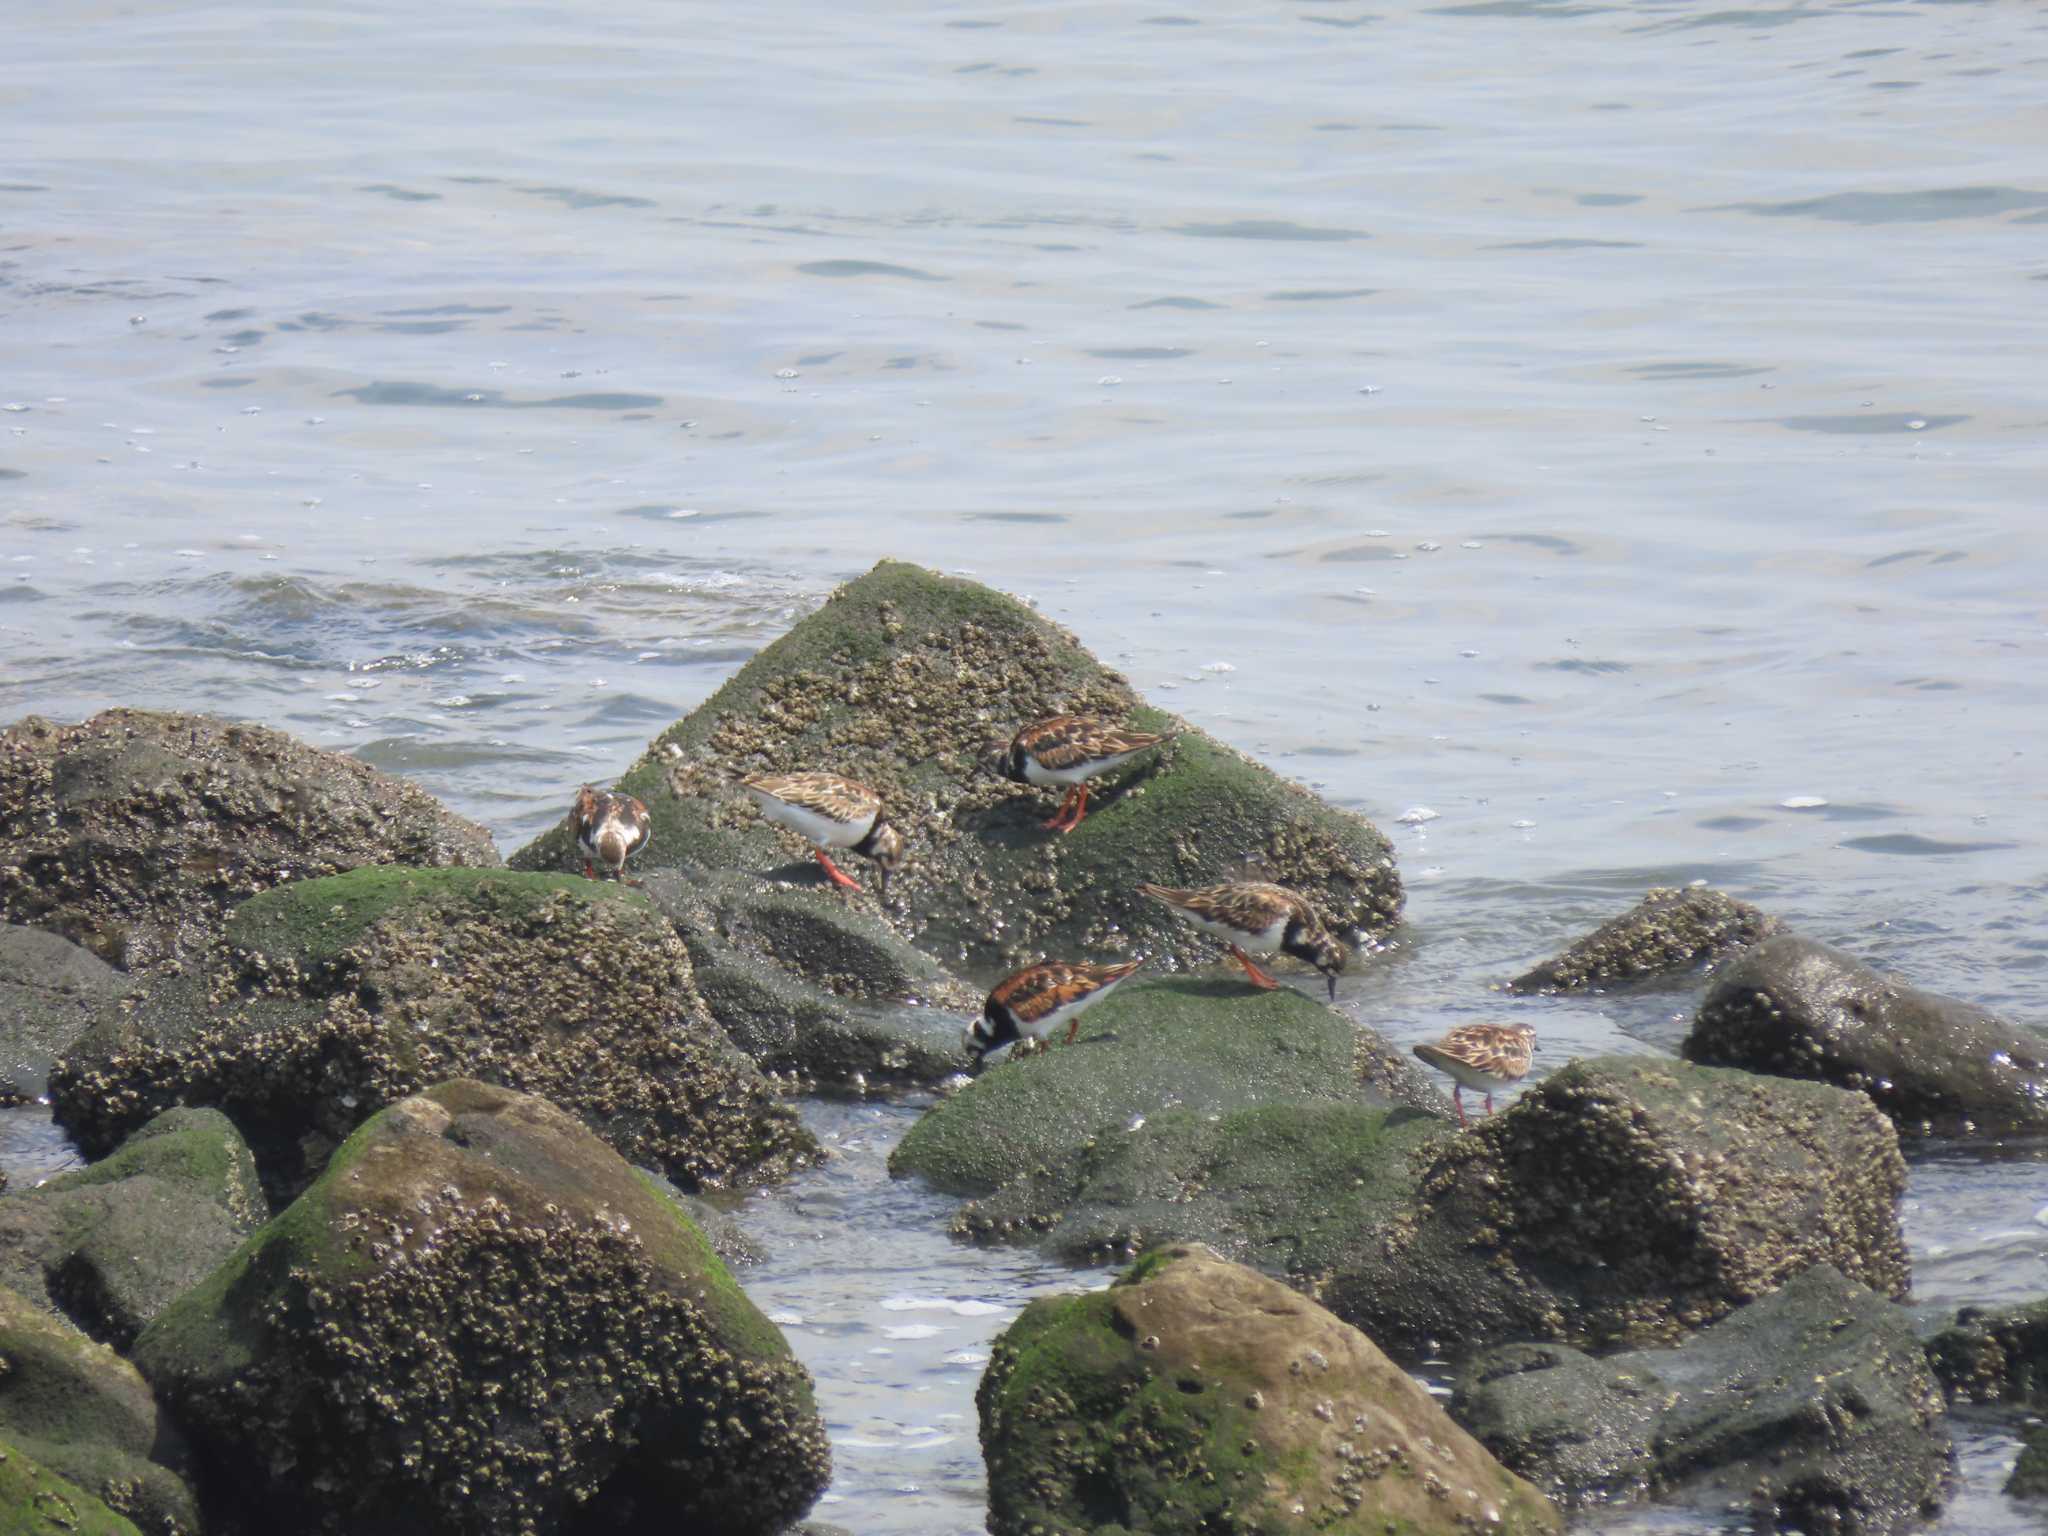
[(833, 812), (1039, 998), (1482, 1057), (1263, 917), (610, 829), (1069, 750)]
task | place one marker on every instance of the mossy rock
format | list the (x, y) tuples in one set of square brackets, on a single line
[(481, 1320), (1207, 1044), (1196, 1395), (1289, 1188), (901, 680), (1669, 934), (328, 999), (1995, 1354), (1629, 1200), (35, 1501), (83, 1412), (112, 1245), (51, 992), (135, 833)]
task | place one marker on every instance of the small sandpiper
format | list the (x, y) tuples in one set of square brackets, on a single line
[(610, 828), (1035, 1001), (1261, 916), (833, 813), (1482, 1057), (1068, 751)]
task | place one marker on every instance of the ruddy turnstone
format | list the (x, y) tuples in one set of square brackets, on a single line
[(1068, 751), (1038, 999), (610, 828), (833, 813), (1262, 916), (1481, 1057)]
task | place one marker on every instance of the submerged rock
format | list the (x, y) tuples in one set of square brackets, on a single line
[(1802, 1009), (1667, 933), (328, 999), (1209, 1044), (134, 833), (1813, 1404), (1195, 1395), (481, 1320), (51, 992), (1995, 1354), (1627, 1200), (82, 1412), (112, 1245), (901, 680)]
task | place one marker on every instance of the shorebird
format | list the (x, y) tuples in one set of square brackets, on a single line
[(1035, 1001), (833, 813), (610, 828), (1481, 1057), (1261, 916), (1067, 751)]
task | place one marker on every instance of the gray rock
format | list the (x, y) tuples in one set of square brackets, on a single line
[(51, 992), (1995, 1354), (1628, 1200), (1668, 933), (1802, 1009), (1813, 1404), (134, 833)]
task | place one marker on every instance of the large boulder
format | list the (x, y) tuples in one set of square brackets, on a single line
[(901, 680), (51, 992), (480, 1320), (1668, 933), (1195, 1395), (134, 833), (1627, 1200), (1814, 1405), (1802, 1009), (328, 999), (112, 1245), (1149, 1048), (84, 1413)]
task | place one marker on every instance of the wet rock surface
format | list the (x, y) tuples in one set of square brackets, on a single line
[(112, 1245), (1628, 1200), (1209, 1045), (83, 1413), (328, 999), (135, 832), (1814, 1405), (901, 680), (1668, 933), (51, 992), (1995, 1354), (481, 1320), (1934, 1065), (1197, 1395)]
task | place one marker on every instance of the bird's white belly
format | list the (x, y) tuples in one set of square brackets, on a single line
[(820, 829), (1036, 772), (1468, 1075), (1063, 1015), (1262, 942)]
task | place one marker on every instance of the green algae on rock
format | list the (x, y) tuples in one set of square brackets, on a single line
[(110, 1246), (480, 1320), (34, 1501), (85, 1414), (1668, 933), (1196, 1395), (901, 680), (51, 992), (135, 832), (327, 999), (1210, 1044), (1628, 1200)]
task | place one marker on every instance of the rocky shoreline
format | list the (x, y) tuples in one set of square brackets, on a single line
[(371, 1239)]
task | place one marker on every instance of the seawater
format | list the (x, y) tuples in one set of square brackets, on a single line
[(1576, 435)]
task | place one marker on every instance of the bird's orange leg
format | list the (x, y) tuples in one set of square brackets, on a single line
[(1080, 810), (1458, 1102), (589, 870), (1059, 822), (838, 876), (1489, 1103), (1073, 1027), (1257, 977)]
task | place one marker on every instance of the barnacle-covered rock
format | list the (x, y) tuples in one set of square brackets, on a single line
[(83, 1413), (1935, 1065), (51, 992), (328, 999), (1195, 1395), (901, 680), (134, 833), (112, 1245), (481, 1321), (35, 1501), (1668, 933), (1628, 1200)]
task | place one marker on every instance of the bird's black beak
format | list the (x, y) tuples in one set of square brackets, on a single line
[(1333, 988), (980, 1060), (881, 884)]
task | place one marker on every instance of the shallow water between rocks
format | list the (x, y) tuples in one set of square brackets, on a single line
[(1579, 436)]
